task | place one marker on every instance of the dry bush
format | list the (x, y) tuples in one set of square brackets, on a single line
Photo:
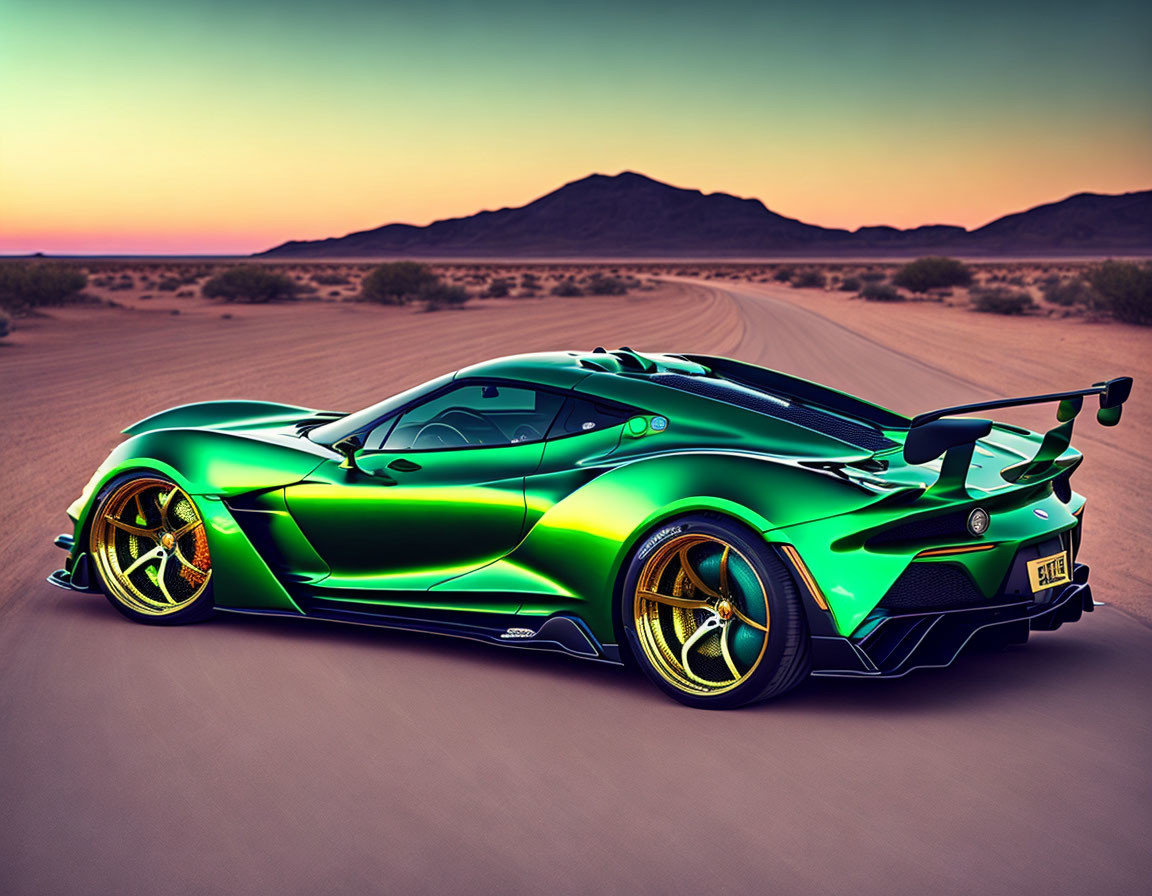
[(251, 283), (604, 285), (880, 292), (31, 285), (1125, 289), (397, 282), (810, 279), (933, 272), (442, 295), (567, 288), (1001, 300), (1066, 293), (499, 287)]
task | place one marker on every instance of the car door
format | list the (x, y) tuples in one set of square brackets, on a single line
[(437, 492), (586, 432)]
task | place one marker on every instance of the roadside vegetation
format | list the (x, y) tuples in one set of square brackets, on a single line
[(28, 285), (1067, 293), (878, 291), (567, 288), (401, 282), (934, 272), (1125, 289), (443, 295), (810, 278), (1117, 290), (398, 282), (251, 283), (1002, 300)]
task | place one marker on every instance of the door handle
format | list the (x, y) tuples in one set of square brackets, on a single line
[(403, 466)]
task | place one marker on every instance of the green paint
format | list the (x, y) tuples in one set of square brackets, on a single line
[(542, 527)]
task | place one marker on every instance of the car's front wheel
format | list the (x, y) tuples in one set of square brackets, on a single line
[(150, 549), (712, 615)]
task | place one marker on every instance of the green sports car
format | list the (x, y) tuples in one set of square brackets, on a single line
[(728, 528)]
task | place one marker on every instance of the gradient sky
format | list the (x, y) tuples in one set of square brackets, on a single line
[(218, 127)]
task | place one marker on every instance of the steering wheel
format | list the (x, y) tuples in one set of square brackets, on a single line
[(526, 433), (483, 429), (439, 435)]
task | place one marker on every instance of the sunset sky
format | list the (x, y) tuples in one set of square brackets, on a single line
[(208, 126)]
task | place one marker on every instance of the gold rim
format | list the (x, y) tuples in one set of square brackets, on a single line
[(701, 614), (151, 547)]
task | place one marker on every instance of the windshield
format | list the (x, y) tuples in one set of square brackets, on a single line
[(331, 433)]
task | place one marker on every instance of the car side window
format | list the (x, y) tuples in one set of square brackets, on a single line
[(584, 415), (470, 415)]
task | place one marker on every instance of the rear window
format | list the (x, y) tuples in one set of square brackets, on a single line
[(750, 398)]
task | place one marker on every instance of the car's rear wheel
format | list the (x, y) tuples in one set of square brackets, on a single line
[(150, 549), (712, 615)]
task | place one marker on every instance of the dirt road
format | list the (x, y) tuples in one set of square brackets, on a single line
[(253, 756)]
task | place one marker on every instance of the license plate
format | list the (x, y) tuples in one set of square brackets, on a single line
[(1049, 571)]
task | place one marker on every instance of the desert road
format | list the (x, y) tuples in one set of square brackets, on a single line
[(255, 756)]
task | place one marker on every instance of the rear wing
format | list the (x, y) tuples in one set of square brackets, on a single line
[(943, 432)]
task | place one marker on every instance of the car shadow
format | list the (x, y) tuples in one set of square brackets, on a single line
[(978, 676)]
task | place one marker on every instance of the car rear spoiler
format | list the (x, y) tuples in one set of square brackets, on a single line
[(944, 432)]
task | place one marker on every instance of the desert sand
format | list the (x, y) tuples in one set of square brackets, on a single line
[(251, 755)]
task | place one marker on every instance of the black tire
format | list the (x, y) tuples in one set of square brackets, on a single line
[(130, 594), (785, 652)]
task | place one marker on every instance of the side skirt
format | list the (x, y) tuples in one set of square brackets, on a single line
[(556, 634)]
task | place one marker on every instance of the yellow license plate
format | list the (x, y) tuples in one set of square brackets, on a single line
[(1048, 572)]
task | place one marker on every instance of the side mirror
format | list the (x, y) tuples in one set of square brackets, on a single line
[(348, 447)]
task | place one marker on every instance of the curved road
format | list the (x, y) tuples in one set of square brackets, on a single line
[(250, 756)]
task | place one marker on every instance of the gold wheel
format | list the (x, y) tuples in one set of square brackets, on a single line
[(701, 614), (150, 547)]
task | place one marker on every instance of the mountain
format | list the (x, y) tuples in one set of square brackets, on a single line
[(1084, 222), (630, 215)]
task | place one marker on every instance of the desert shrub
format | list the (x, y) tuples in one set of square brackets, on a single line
[(251, 283), (810, 279), (397, 282), (5, 324), (567, 288), (528, 280), (880, 292), (850, 284), (1066, 292), (933, 272), (784, 274), (169, 284), (1001, 300), (1125, 289), (30, 285), (873, 276), (602, 285), (443, 295), (330, 279), (499, 287)]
